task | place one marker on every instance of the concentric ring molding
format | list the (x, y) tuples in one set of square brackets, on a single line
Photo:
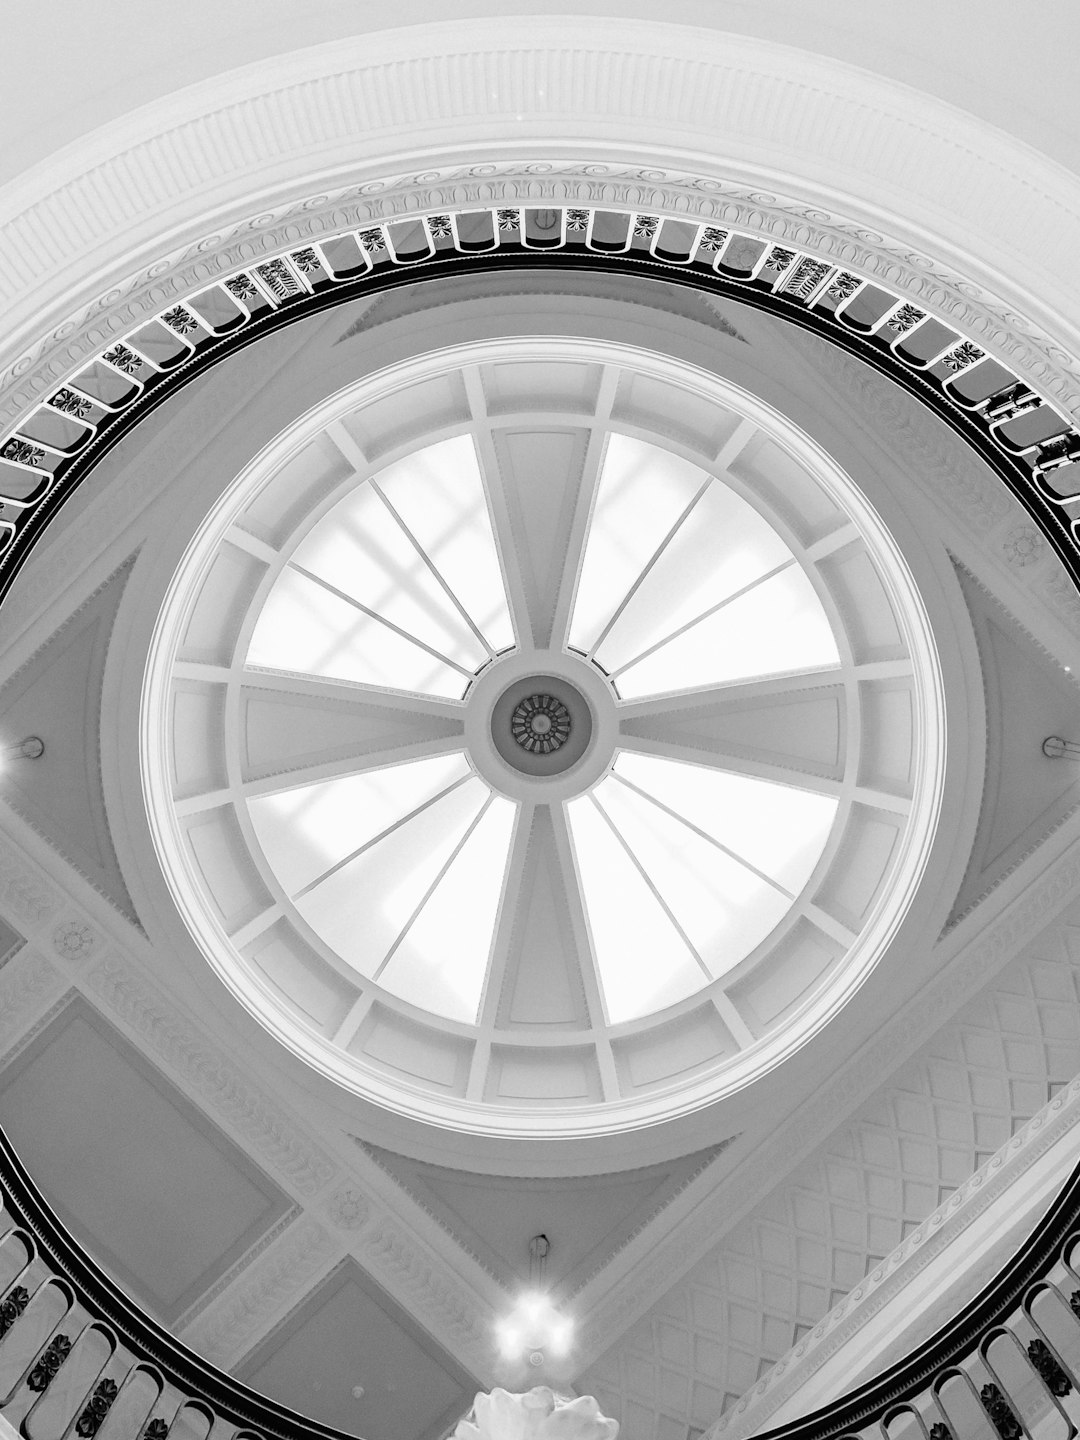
[(493, 1118)]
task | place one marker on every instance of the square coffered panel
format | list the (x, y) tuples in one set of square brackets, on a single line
[(153, 1189), (350, 1337)]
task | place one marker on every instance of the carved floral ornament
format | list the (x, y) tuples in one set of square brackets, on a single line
[(88, 394)]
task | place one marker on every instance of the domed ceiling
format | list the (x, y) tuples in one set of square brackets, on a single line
[(576, 766), (552, 750)]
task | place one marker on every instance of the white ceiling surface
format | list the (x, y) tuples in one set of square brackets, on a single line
[(759, 1239), (985, 57), (755, 1254)]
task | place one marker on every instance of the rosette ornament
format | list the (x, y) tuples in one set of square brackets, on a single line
[(539, 1414)]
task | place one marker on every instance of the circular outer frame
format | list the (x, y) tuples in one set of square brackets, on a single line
[(613, 1114)]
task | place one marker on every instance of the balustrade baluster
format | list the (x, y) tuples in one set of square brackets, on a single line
[(25, 1347), (1024, 1389), (139, 1392), (59, 1405)]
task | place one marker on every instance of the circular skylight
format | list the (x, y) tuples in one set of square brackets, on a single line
[(511, 749)]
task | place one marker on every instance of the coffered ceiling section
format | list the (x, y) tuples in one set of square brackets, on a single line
[(352, 1359), (481, 691), (155, 1191)]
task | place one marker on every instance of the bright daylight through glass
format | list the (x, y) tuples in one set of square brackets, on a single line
[(415, 870)]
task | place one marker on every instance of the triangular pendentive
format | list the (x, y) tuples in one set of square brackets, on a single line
[(57, 695), (1029, 697), (587, 1219)]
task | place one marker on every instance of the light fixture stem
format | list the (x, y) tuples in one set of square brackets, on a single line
[(539, 1248), (30, 748), (1055, 748)]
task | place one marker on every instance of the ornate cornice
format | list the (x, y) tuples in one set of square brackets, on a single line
[(219, 1084), (270, 1288)]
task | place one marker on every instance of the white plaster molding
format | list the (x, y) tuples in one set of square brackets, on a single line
[(28, 983), (885, 178), (459, 1318), (1003, 1173), (74, 939), (246, 1110), (348, 1208), (263, 1294), (27, 899), (970, 955)]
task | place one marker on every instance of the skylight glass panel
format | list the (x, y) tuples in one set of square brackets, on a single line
[(643, 961), (360, 549), (643, 491), (442, 959), (304, 627), (721, 546), (440, 497), (306, 830), (778, 829), (361, 909), (777, 627), (724, 908)]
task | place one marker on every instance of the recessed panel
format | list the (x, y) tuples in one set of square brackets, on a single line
[(414, 1051), (351, 1359), (153, 1189), (543, 1076)]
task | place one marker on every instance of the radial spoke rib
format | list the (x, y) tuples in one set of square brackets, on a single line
[(506, 948), (289, 685), (704, 835), (375, 839), (788, 727), (433, 570), (579, 532), (462, 842), (347, 447), (705, 615), (647, 567), (506, 544), (588, 969), (715, 698), (357, 763), (651, 886), (381, 620), (706, 753)]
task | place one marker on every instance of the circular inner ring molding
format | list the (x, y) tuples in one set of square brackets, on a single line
[(517, 941)]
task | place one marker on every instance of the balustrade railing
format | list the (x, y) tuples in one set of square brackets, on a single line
[(1006, 1368), (78, 1358), (1032, 443)]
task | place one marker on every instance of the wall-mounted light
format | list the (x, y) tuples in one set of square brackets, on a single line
[(30, 748), (1055, 748)]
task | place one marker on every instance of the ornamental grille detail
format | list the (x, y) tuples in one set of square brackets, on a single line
[(540, 724), (97, 1407), (49, 1362), (769, 274)]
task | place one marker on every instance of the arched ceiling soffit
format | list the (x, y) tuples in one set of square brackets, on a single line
[(893, 224)]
